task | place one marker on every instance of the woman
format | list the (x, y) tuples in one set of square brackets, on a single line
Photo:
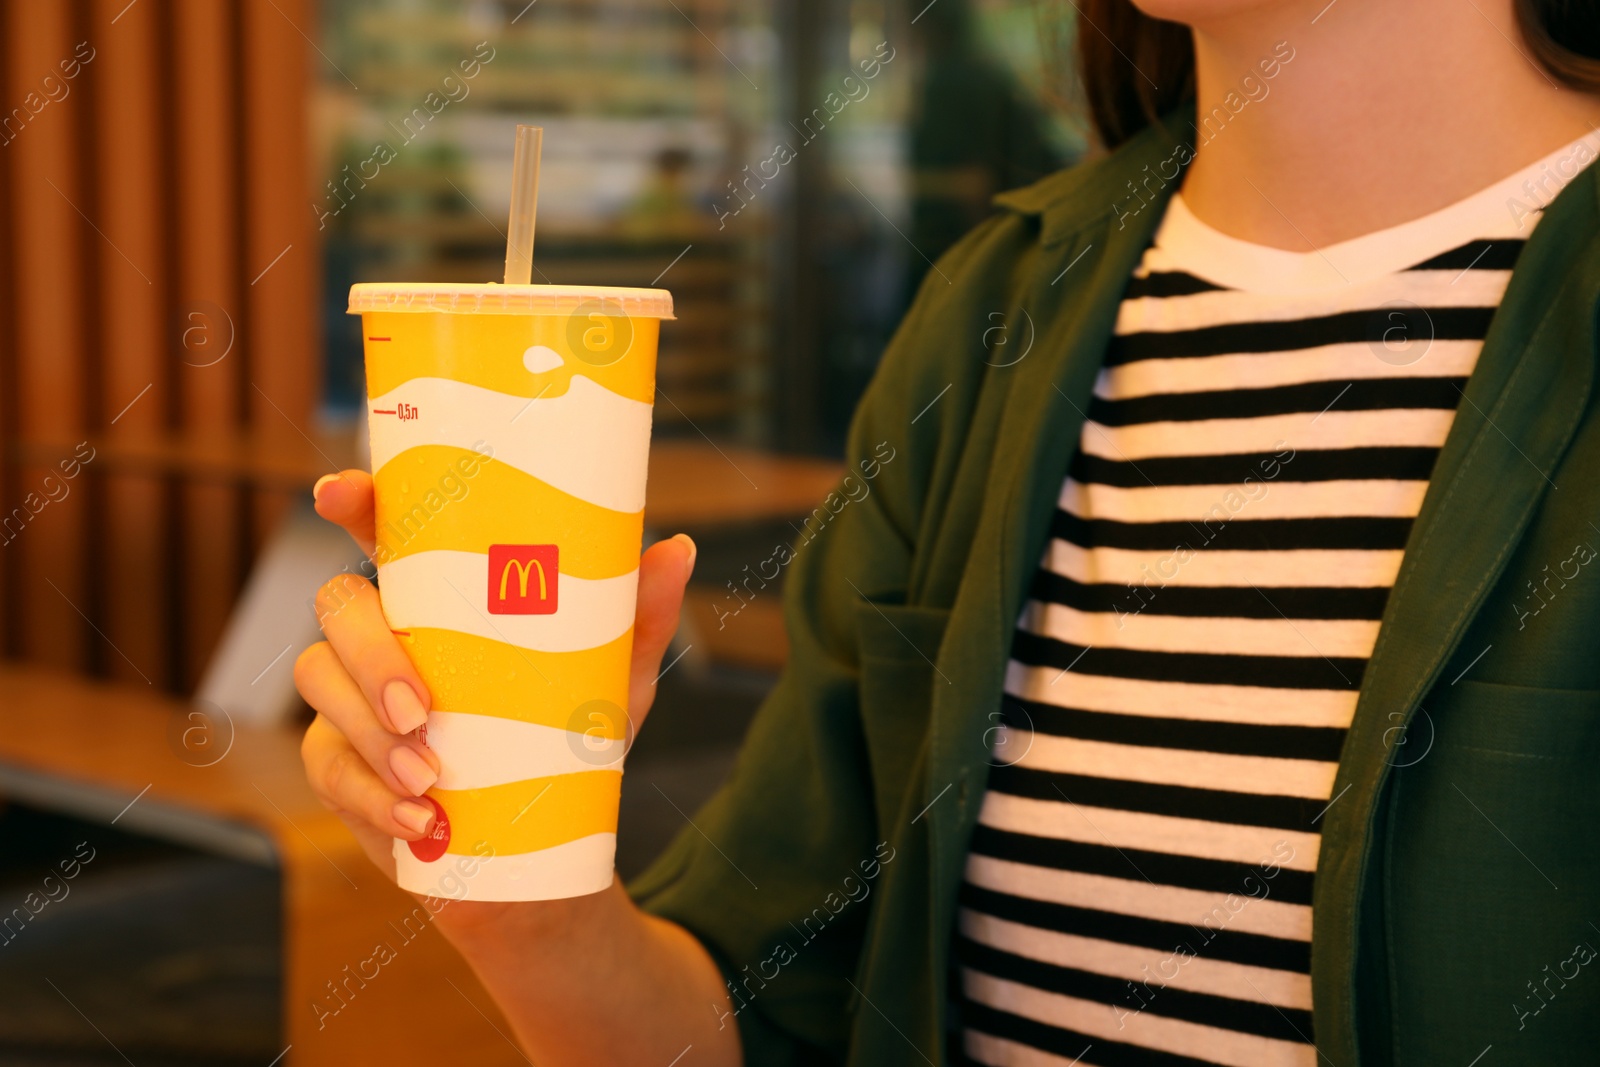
[(1091, 747)]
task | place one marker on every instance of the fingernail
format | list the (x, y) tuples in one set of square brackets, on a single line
[(316, 490), (413, 816), (412, 770), (694, 550), (406, 712)]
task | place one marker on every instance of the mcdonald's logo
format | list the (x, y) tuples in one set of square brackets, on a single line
[(523, 579)]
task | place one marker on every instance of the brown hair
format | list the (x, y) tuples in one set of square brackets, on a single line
[(1136, 68)]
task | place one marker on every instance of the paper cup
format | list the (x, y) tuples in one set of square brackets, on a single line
[(510, 428)]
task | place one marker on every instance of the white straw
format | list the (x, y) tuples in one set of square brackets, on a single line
[(524, 203)]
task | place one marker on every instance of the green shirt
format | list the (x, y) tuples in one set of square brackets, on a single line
[(1457, 895)]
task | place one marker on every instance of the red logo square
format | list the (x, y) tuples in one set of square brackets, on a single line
[(522, 579)]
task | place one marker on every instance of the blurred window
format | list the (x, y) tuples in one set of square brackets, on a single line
[(788, 174)]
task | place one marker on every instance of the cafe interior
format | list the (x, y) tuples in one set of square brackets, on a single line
[(188, 190)]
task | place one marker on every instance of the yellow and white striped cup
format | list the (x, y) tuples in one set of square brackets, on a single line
[(510, 428)]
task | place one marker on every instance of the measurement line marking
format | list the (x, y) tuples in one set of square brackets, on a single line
[(383, 411), (380, 338)]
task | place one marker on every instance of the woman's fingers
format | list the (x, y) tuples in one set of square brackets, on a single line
[(354, 624), (345, 783), (406, 766), (664, 571), (346, 499), (368, 695)]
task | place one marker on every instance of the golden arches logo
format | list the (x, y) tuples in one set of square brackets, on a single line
[(522, 597), (522, 568)]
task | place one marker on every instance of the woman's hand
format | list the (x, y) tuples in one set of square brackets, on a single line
[(362, 753), (564, 971)]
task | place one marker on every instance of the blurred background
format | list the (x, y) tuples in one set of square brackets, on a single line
[(187, 190)]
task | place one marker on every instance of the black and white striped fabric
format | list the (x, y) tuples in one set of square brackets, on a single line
[(1138, 888)]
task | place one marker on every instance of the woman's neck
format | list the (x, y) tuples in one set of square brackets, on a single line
[(1386, 111)]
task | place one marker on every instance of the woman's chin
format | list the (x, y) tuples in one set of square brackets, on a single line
[(1202, 12)]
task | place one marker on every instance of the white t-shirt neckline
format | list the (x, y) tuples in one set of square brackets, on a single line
[(1507, 208)]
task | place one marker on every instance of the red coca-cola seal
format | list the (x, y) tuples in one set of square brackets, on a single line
[(432, 847)]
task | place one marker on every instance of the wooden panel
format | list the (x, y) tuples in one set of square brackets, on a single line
[(205, 64), (281, 250), (10, 601), (50, 218), (136, 327), (144, 195)]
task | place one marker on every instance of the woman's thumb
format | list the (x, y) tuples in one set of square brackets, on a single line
[(664, 571)]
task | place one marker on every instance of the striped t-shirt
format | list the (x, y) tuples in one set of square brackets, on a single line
[(1138, 890)]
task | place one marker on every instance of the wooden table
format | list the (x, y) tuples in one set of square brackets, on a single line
[(693, 485), (95, 751), (692, 482)]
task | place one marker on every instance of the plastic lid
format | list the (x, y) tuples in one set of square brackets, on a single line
[(495, 299)]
